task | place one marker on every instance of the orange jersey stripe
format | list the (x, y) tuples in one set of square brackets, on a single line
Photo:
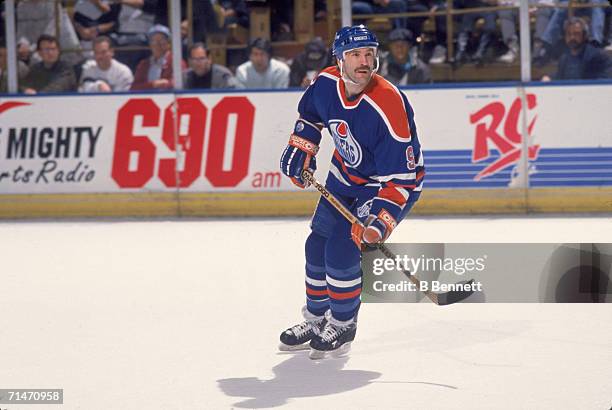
[(316, 292), (348, 295), (353, 178), (392, 195)]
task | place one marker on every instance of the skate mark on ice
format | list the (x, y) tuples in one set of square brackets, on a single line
[(448, 386), (296, 377)]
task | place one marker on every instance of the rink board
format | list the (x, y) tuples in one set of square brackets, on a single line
[(129, 155)]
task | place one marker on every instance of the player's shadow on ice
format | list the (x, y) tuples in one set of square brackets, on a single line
[(296, 377)]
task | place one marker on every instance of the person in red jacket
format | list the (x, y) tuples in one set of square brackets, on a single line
[(155, 72)]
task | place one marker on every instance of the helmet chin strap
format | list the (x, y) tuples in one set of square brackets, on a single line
[(347, 79)]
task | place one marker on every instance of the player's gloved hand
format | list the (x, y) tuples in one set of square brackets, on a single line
[(297, 157), (376, 229)]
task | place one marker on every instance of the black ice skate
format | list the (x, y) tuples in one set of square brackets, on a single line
[(298, 336), (334, 339)]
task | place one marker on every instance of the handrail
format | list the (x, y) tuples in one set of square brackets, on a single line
[(451, 11)]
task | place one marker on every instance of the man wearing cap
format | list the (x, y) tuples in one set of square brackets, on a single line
[(306, 65), (155, 72), (262, 71), (401, 64)]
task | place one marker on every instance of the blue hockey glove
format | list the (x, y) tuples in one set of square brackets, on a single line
[(297, 157)]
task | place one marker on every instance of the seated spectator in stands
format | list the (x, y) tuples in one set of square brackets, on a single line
[(234, 12), (203, 73), (104, 73), (22, 69), (552, 36), (262, 71), (382, 7), (51, 74), (306, 65), (508, 22), (401, 64), (415, 24), (468, 23), (135, 19), (155, 72), (581, 60), (281, 19), (93, 18), (608, 42), (439, 52), (282, 16), (24, 52), (37, 17)]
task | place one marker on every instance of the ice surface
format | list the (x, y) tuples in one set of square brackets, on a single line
[(186, 315)]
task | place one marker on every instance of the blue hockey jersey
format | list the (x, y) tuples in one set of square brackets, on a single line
[(375, 138)]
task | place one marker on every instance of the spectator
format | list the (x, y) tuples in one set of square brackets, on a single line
[(135, 19), (507, 22), (306, 65), (381, 7), (468, 22), (262, 71), (401, 64), (234, 12), (155, 72), (581, 60), (554, 31), (24, 52), (22, 69), (37, 17), (281, 19), (439, 52), (542, 18), (104, 73), (92, 18), (203, 17), (609, 40), (203, 73), (415, 24), (51, 74)]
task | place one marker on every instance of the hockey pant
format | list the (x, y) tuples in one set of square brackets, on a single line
[(333, 262)]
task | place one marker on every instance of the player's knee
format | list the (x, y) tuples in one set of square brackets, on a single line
[(340, 250), (324, 221), (315, 249)]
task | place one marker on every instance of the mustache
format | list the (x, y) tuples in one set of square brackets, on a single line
[(363, 67)]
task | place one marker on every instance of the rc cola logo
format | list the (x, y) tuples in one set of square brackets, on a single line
[(347, 146)]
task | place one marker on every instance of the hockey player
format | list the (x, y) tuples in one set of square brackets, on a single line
[(376, 171)]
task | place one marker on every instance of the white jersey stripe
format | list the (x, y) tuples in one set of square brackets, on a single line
[(318, 128), (386, 178), (343, 283), (336, 172), (315, 282)]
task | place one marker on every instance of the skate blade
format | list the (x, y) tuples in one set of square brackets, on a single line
[(340, 352), (316, 354), (288, 348)]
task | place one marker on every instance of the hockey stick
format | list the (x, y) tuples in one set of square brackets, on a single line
[(441, 299)]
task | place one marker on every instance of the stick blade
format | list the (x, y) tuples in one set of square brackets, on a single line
[(455, 296)]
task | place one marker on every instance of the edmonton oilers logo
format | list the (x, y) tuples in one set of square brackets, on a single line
[(347, 146)]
